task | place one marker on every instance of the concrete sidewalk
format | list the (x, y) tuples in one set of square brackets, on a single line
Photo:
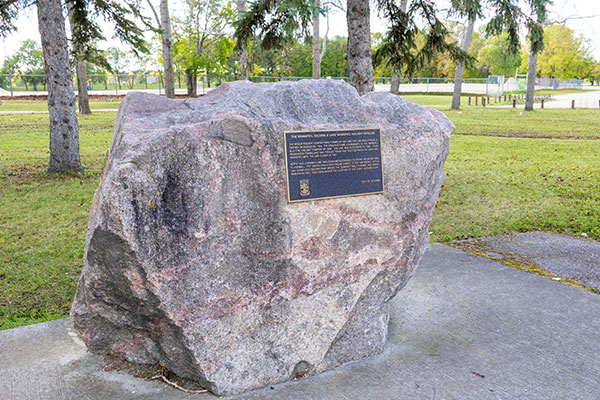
[(464, 328), (589, 98), (567, 257)]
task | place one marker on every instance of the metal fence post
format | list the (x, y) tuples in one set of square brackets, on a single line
[(10, 83), (116, 86)]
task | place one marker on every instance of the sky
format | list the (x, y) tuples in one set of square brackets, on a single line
[(571, 10)]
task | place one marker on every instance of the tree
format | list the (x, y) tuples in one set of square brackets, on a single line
[(564, 56), (333, 62), (276, 23), (358, 53), (594, 73), (64, 129), (86, 33), (244, 69), (29, 60), (9, 67), (164, 22), (80, 67), (317, 51), (397, 71), (316, 45), (496, 58), (408, 48), (471, 10), (119, 62), (536, 45), (202, 27)]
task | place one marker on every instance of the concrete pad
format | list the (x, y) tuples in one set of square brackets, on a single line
[(464, 328), (566, 256)]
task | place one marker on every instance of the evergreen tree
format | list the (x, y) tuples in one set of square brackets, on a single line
[(64, 128), (470, 9)]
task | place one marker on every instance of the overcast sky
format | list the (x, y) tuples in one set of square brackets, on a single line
[(560, 10)]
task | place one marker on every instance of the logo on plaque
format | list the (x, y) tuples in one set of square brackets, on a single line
[(334, 163), (304, 189)]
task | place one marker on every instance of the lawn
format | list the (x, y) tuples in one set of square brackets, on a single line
[(43, 218), (506, 172), (496, 185), (27, 105), (430, 100), (548, 123)]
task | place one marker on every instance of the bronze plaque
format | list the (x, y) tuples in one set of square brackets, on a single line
[(333, 163)]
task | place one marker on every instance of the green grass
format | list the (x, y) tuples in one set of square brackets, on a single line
[(35, 105), (440, 100), (43, 218), (495, 183), (548, 123), (500, 185), (429, 100)]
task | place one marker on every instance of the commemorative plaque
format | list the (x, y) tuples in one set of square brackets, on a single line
[(333, 163)]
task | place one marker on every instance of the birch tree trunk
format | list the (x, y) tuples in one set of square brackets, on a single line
[(316, 49), (360, 65), (167, 43), (82, 90), (531, 81), (397, 72), (460, 65), (64, 129)]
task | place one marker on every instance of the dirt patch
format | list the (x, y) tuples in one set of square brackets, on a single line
[(150, 372)]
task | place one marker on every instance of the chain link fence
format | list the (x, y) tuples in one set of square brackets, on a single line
[(118, 84)]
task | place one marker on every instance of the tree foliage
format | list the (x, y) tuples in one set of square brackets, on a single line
[(86, 31), (275, 21), (400, 47), (496, 57), (28, 60), (509, 17), (199, 40), (565, 55)]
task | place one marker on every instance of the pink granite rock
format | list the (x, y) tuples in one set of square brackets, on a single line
[(195, 259)]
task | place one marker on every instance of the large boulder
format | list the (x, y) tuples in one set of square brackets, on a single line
[(194, 257)]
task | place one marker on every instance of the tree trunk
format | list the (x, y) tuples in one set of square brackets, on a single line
[(244, 68), (360, 65), (396, 73), (80, 70), (167, 43), (82, 91), (191, 82), (460, 66), (531, 81), (316, 49), (188, 81), (64, 129), (395, 84)]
